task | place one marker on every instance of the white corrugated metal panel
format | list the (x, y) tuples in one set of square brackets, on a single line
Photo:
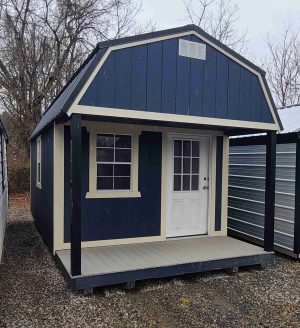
[(247, 192), (290, 118)]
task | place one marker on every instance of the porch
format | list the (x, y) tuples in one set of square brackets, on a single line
[(102, 266)]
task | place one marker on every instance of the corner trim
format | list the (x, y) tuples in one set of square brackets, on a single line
[(58, 187)]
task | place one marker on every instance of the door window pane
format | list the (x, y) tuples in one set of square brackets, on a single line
[(195, 182), (177, 182), (195, 165), (186, 165), (186, 182), (177, 165), (186, 148), (177, 147), (195, 148)]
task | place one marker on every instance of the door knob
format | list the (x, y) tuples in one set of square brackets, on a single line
[(205, 187)]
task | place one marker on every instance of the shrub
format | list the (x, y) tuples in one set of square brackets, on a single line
[(19, 177)]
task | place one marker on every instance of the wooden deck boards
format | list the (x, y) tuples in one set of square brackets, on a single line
[(124, 258)]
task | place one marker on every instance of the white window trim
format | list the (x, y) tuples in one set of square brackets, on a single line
[(39, 160), (93, 192)]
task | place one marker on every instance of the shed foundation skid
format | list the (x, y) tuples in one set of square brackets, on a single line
[(102, 266)]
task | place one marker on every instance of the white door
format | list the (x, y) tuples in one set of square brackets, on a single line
[(188, 182)]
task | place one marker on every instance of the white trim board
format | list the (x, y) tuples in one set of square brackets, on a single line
[(154, 116), (275, 126)]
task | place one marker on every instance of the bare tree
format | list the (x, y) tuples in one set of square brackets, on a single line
[(283, 66), (218, 18), (42, 43)]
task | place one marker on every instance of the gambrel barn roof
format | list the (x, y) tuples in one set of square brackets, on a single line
[(152, 78)]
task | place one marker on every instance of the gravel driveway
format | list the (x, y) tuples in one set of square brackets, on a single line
[(33, 293)]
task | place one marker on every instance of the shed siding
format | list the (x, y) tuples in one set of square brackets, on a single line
[(247, 192), (3, 191), (219, 174), (3, 217), (153, 77), (42, 199), (104, 219)]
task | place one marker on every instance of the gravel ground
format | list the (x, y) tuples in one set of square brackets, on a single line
[(33, 293)]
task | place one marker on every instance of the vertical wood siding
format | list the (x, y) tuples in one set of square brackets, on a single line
[(3, 191), (154, 78), (42, 199), (219, 175), (104, 219), (3, 217)]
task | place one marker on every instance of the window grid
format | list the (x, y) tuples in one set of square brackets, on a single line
[(114, 163), (189, 174)]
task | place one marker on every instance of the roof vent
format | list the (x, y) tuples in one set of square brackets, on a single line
[(192, 49)]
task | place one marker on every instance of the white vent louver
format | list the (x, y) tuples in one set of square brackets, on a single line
[(192, 49)]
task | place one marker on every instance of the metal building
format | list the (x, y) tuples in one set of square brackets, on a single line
[(247, 171)]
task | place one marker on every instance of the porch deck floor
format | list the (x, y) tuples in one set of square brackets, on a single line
[(123, 258)]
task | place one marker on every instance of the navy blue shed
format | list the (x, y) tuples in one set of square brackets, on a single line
[(129, 165)]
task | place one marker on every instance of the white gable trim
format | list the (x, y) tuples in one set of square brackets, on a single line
[(177, 35)]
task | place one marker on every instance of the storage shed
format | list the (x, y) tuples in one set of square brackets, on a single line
[(129, 165), (247, 172), (3, 185)]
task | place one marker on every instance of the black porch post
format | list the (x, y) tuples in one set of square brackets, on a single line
[(76, 195), (270, 191), (297, 199)]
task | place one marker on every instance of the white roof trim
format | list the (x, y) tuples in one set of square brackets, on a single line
[(154, 116)]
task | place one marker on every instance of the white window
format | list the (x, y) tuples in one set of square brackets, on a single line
[(39, 163), (114, 161)]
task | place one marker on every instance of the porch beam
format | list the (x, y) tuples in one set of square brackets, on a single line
[(270, 191), (76, 195)]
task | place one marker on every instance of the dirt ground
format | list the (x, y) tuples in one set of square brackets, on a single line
[(33, 292)]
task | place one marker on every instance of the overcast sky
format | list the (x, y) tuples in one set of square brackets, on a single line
[(258, 17)]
